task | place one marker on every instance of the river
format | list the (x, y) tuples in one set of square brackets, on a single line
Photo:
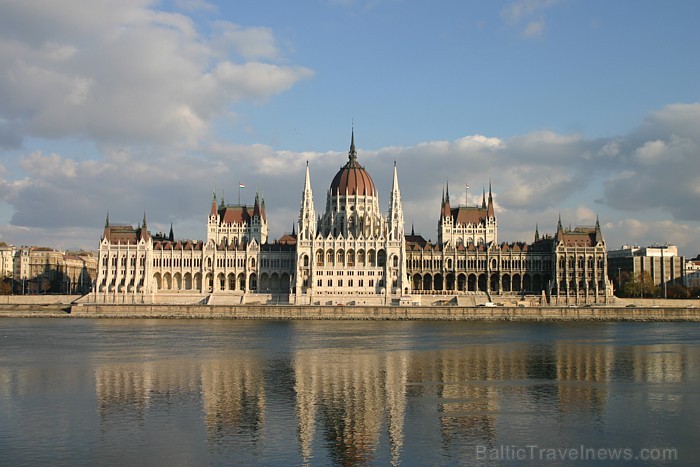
[(222, 392)]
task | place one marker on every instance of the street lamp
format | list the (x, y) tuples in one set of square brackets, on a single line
[(619, 283)]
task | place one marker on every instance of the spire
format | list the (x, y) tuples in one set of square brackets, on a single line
[(143, 232), (213, 206), (294, 232), (560, 230), (445, 211), (307, 215), (396, 228), (413, 232), (256, 206), (490, 211), (447, 193), (537, 233), (171, 236), (598, 233), (262, 208), (483, 199), (107, 221), (352, 154)]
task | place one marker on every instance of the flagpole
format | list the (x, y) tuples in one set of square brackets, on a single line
[(466, 201), (239, 193)]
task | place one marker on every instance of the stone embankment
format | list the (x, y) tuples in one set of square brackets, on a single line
[(65, 306)]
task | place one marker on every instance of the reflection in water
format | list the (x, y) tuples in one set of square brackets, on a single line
[(308, 394), (350, 394), (233, 391)]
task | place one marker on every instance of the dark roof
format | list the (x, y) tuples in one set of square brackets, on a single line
[(352, 178)]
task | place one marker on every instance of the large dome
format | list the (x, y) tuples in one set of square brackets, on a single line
[(352, 178)]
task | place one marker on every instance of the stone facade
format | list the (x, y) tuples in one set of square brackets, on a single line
[(42, 270), (350, 254)]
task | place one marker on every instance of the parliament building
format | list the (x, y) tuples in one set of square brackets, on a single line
[(351, 253)]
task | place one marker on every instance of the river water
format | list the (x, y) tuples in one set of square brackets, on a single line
[(223, 392)]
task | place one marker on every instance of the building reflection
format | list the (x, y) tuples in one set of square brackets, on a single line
[(582, 374), (349, 394), (134, 388), (233, 394), (348, 402), (468, 405), (231, 391)]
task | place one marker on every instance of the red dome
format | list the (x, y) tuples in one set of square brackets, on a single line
[(352, 178)]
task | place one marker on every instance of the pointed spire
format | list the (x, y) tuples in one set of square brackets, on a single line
[(537, 233), (395, 209), (294, 232), (107, 221), (598, 232), (352, 154), (413, 232), (560, 230), (171, 236), (307, 214), (490, 210), (256, 205), (144, 219), (447, 193), (212, 212), (483, 199)]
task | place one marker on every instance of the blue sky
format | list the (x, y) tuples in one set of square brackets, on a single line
[(569, 107)]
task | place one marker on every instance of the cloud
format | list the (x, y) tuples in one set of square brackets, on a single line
[(535, 177), (529, 13), (124, 72)]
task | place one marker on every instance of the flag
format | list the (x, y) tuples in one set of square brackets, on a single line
[(240, 185)]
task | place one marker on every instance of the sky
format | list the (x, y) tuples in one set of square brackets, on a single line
[(571, 109)]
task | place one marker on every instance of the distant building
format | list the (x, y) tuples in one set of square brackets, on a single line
[(352, 253), (7, 255), (661, 262), (692, 272), (41, 270)]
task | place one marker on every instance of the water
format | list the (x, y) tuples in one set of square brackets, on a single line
[(218, 392)]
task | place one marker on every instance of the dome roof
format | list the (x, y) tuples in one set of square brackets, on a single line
[(352, 178)]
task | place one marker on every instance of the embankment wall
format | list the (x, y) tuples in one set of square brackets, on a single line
[(284, 312)]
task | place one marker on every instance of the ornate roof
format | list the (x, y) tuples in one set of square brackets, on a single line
[(352, 178)]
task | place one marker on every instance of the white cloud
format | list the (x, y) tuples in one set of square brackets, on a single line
[(535, 178), (126, 72), (529, 12), (534, 28)]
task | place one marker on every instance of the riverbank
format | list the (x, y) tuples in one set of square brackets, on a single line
[(266, 312)]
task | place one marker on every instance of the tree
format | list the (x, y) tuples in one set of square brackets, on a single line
[(6, 286), (640, 285), (677, 291)]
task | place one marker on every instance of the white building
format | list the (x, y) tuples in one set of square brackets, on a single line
[(353, 253)]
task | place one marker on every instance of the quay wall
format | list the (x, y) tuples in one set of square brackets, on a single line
[(286, 312)]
